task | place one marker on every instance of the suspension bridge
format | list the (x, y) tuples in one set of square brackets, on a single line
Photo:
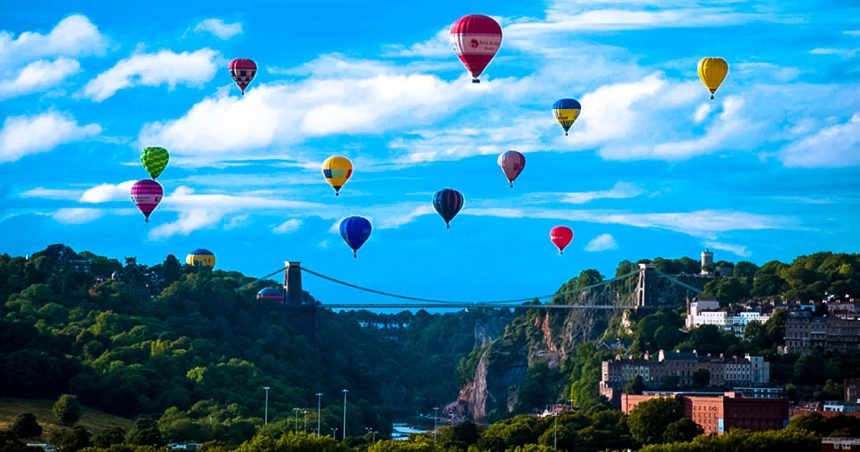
[(644, 294)]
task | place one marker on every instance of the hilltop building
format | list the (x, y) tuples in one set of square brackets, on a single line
[(719, 412), (803, 331), (723, 372), (707, 263), (708, 312)]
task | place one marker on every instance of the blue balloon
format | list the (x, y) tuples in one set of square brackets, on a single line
[(355, 231), (448, 202)]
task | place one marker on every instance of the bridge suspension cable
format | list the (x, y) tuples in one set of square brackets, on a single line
[(680, 283), (461, 302)]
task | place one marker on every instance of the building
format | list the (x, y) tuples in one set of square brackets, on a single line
[(707, 262), (844, 309), (680, 367), (717, 413), (804, 331), (708, 312), (852, 390), (840, 444)]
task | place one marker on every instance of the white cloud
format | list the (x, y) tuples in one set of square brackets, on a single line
[(835, 146), (198, 211), (738, 250), (602, 242), (438, 46), (219, 28), (701, 223), (26, 135), (73, 36), (77, 215), (702, 113), (107, 192), (39, 75), (290, 113), (288, 226), (153, 69), (51, 193), (847, 53), (621, 190)]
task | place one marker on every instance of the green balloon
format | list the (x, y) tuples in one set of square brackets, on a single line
[(154, 160)]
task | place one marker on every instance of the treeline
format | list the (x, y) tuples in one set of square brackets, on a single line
[(193, 351)]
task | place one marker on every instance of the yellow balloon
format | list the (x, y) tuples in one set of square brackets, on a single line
[(200, 258), (713, 71), (337, 170)]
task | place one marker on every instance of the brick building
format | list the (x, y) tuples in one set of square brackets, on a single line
[(717, 413), (804, 331), (724, 372)]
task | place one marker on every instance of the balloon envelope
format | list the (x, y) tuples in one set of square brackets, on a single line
[(200, 258), (561, 236), (566, 111), (271, 294), (476, 39), (713, 71), (355, 231), (337, 170), (448, 202), (512, 164), (146, 195), (243, 71), (154, 160)]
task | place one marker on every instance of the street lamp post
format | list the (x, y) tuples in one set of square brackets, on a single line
[(266, 415), (306, 421), (319, 403), (343, 432), (296, 425), (334, 433), (555, 432), (435, 418)]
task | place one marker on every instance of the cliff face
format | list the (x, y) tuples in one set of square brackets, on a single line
[(536, 337)]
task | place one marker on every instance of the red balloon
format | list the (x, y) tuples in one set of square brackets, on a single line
[(512, 164), (476, 39), (561, 237), (243, 71)]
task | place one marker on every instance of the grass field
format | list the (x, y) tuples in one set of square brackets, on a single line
[(92, 419)]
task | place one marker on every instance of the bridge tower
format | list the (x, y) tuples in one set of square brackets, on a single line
[(294, 298), (646, 287), (293, 283)]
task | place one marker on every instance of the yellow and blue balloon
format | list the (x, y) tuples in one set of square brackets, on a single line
[(566, 111)]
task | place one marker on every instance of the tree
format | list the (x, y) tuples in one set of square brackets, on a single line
[(744, 269), (727, 290), (682, 430), (635, 386), (145, 432), (25, 426), (9, 442), (650, 418), (701, 377), (75, 438), (109, 437), (67, 409), (172, 269)]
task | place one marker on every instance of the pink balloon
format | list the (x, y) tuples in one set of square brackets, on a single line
[(512, 164), (146, 195), (561, 236)]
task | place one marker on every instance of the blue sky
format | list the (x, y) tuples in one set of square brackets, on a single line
[(768, 170)]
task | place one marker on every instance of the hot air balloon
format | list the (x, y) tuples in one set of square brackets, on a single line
[(337, 170), (448, 202), (154, 160), (512, 164), (271, 294), (146, 195), (355, 231), (713, 71), (476, 39), (561, 237), (243, 71), (200, 258), (566, 111)]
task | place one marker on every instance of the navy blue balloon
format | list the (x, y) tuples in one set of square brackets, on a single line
[(355, 231), (448, 202)]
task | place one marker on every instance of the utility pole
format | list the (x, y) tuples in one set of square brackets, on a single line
[(435, 418), (266, 415), (319, 404), (343, 432)]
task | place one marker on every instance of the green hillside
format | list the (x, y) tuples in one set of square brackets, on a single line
[(91, 418)]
